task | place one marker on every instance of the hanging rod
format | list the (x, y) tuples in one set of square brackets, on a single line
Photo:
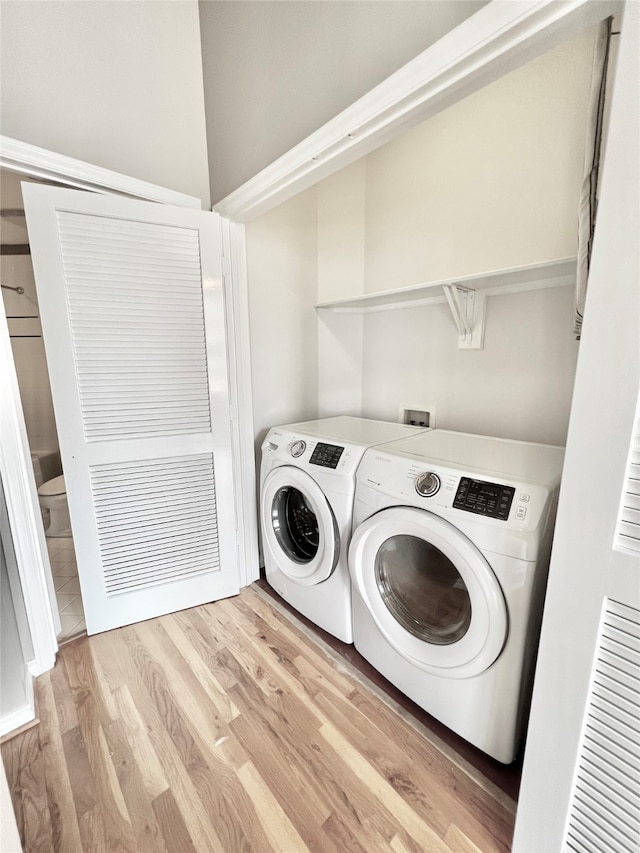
[(19, 290), (11, 211)]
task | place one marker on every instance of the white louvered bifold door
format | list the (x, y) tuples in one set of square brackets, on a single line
[(132, 305)]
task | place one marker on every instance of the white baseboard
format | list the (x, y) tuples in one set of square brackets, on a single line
[(24, 714)]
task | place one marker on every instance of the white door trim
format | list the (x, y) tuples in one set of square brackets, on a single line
[(24, 514), (46, 165), (497, 39), (234, 267)]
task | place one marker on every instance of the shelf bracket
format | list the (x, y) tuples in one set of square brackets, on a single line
[(468, 309)]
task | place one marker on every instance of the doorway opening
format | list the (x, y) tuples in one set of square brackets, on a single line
[(23, 317)]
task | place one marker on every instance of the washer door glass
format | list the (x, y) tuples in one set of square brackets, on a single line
[(423, 590), (295, 524)]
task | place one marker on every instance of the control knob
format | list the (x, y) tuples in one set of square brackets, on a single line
[(427, 484), (298, 448)]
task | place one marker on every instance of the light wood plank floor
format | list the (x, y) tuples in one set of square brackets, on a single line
[(227, 727)]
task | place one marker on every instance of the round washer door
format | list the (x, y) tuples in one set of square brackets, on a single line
[(298, 526), (431, 592)]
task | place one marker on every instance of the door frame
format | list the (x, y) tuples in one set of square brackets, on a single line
[(496, 40), (15, 460)]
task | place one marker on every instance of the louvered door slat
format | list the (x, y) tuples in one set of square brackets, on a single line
[(620, 685), (127, 229), (616, 728), (605, 805), (594, 774), (601, 802), (628, 529), (163, 537), (132, 341), (603, 826), (618, 662), (618, 797), (181, 492), (158, 564), (621, 754)]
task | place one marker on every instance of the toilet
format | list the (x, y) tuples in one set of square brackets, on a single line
[(53, 496)]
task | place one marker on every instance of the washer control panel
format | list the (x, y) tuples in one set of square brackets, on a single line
[(326, 455), (482, 498)]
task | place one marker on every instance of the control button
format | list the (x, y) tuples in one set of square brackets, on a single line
[(521, 513), (298, 448), (524, 498), (427, 484)]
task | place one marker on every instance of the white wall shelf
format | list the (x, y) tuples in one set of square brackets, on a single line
[(558, 273), (466, 296)]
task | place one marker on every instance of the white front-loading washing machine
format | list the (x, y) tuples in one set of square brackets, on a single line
[(307, 484), (449, 559)]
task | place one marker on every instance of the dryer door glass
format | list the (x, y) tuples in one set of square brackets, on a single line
[(423, 590), (295, 525)]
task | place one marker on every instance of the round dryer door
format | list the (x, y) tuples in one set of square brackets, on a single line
[(430, 591), (298, 526)]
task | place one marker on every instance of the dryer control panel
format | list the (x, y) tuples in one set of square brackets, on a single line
[(327, 455), (490, 499)]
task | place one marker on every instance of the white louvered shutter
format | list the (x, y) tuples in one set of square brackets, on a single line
[(605, 808), (132, 305)]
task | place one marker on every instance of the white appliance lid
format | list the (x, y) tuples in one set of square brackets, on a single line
[(355, 430), (520, 460)]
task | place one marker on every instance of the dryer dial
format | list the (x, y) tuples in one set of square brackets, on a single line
[(298, 448), (427, 484)]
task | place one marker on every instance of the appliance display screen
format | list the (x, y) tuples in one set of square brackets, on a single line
[(484, 498), (327, 455)]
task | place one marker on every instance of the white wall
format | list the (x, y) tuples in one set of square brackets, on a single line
[(117, 84), (282, 264), (341, 235), (519, 386), (491, 182), (274, 72)]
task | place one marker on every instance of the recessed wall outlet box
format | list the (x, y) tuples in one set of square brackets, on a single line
[(420, 416)]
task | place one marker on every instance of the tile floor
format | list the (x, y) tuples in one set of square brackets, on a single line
[(65, 580)]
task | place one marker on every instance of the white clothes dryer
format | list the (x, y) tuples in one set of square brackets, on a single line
[(307, 485), (449, 559)]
